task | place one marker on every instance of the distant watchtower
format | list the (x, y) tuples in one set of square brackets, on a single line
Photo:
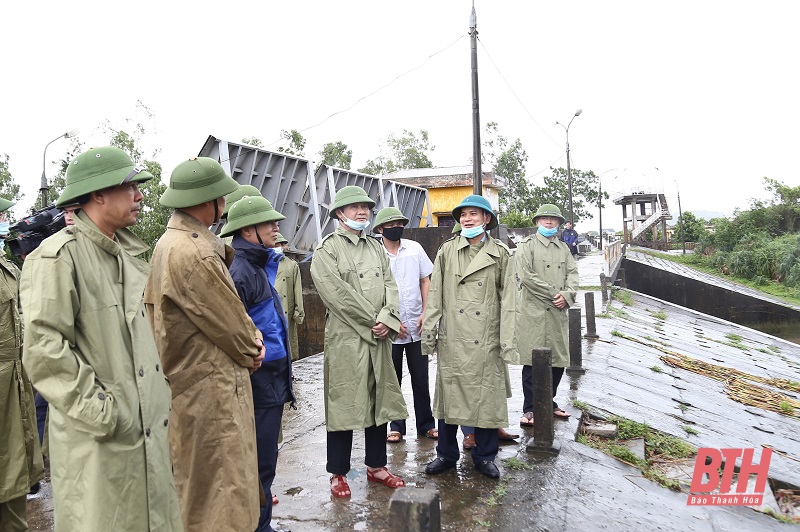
[(642, 211)]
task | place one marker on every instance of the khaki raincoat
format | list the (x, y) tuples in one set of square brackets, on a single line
[(545, 269), (290, 288), (353, 277), (207, 344), (472, 301), (89, 351), (21, 465)]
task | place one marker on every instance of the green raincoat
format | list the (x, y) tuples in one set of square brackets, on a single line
[(472, 301), (21, 466), (290, 288), (545, 269), (353, 277), (90, 352)]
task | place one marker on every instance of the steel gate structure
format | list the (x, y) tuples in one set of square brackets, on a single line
[(305, 196)]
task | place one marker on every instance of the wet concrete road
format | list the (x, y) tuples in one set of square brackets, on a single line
[(581, 488)]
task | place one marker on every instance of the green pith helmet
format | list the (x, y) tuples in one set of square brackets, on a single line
[(473, 200), (6, 204), (548, 209), (456, 229), (249, 211), (99, 168), (347, 196), (242, 192), (280, 239), (389, 214), (196, 181)]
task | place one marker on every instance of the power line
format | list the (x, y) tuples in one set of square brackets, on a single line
[(376, 90), (515, 94)]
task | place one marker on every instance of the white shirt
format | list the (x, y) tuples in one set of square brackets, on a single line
[(409, 266)]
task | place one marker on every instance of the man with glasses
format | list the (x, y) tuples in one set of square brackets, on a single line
[(89, 351)]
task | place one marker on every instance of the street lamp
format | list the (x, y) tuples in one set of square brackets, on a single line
[(600, 203), (43, 188), (569, 169)]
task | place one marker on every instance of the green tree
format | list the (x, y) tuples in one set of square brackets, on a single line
[(295, 143), (693, 227), (510, 165), (9, 189), (405, 151), (336, 154), (253, 141), (556, 191), (785, 203)]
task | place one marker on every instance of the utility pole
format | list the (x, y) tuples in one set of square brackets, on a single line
[(477, 176)]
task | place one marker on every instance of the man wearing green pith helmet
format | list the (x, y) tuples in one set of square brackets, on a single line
[(470, 315), (90, 353), (243, 191), (353, 277), (208, 346)]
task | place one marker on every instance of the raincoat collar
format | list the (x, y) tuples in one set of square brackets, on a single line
[(123, 238), (544, 240), (180, 221), (490, 246), (258, 255), (354, 238)]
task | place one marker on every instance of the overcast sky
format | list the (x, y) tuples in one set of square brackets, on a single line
[(706, 91)]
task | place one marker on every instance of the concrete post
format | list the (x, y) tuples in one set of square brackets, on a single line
[(604, 286), (575, 343), (543, 430), (415, 510), (591, 326)]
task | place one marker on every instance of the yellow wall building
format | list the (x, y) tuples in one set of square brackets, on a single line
[(447, 187)]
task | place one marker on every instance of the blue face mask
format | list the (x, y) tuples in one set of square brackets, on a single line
[(472, 232), (545, 232), (354, 225), (4, 228)]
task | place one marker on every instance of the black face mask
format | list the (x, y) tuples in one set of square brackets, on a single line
[(392, 233)]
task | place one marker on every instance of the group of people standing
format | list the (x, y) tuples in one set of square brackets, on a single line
[(481, 309), (167, 381)]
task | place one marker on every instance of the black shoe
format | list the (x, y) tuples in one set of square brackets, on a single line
[(488, 468), (439, 465), (35, 489)]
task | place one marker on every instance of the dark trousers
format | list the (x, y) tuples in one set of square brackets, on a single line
[(340, 447), (268, 425), (41, 414), (418, 369), (486, 444), (527, 386)]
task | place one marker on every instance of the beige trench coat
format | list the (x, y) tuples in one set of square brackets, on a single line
[(207, 343), (89, 351), (22, 464), (545, 269), (472, 302)]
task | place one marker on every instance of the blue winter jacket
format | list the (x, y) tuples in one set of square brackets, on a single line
[(253, 271)]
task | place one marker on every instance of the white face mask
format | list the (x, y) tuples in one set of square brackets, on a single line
[(354, 225), (278, 249)]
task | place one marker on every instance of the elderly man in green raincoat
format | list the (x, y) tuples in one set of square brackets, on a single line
[(352, 275), (90, 352), (21, 466), (471, 299), (549, 279)]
